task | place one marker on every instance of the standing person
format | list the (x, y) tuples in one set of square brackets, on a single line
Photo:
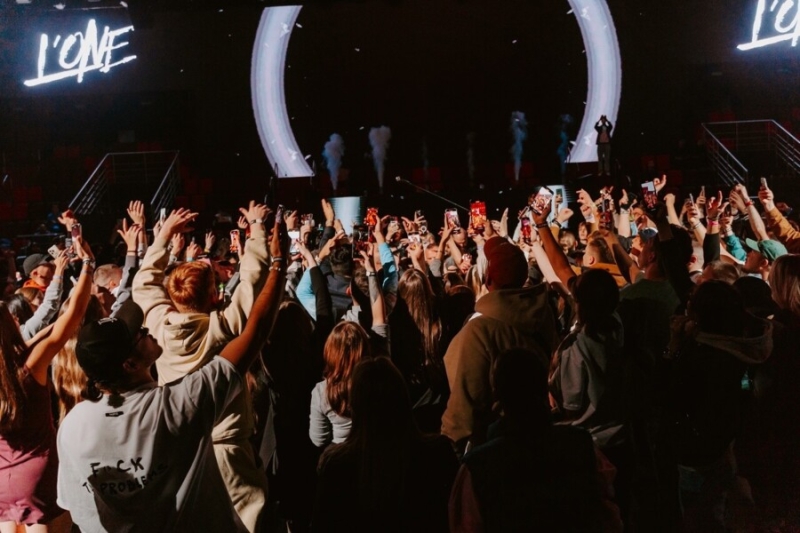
[(508, 316), (347, 344), (603, 128), (28, 460), (187, 321), (387, 476), (139, 457)]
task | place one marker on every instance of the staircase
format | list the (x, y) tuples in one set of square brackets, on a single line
[(125, 176), (745, 151)]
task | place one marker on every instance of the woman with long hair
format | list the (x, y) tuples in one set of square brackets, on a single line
[(386, 476), (28, 461), (417, 348), (347, 344), (69, 379)]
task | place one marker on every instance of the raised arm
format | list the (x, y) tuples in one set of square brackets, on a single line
[(148, 284), (42, 353), (132, 236), (252, 273), (783, 231), (553, 250), (52, 299), (242, 350), (741, 200)]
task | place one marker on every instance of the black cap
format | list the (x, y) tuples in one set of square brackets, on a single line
[(33, 261), (104, 345)]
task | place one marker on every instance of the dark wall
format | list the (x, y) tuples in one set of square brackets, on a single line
[(432, 70)]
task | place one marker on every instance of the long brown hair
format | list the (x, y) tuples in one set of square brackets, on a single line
[(416, 291), (380, 440), (347, 344), (69, 379), (12, 365)]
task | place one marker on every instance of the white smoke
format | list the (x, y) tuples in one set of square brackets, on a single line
[(519, 131), (333, 153), (379, 139)]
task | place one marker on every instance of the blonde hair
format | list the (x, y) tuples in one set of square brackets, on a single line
[(784, 277), (68, 376)]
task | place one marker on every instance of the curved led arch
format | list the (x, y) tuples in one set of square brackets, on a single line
[(605, 73), (269, 97)]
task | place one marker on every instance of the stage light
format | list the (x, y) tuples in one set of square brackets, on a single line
[(269, 98)]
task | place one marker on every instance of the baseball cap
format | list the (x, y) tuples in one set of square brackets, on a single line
[(507, 266), (105, 344), (769, 248), (33, 261)]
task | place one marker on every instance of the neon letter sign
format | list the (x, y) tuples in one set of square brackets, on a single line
[(80, 53), (786, 26)]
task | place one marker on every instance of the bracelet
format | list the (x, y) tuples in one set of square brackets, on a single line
[(748, 203), (543, 225), (257, 221), (695, 226), (57, 277), (276, 268), (713, 222), (190, 259), (371, 274), (277, 259)]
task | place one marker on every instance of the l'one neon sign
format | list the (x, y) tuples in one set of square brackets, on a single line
[(79, 53), (786, 25)]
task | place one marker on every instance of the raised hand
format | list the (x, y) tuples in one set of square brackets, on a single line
[(193, 251), (130, 234), (178, 243), (291, 219), (177, 222), (767, 198), (714, 207), (327, 210), (61, 262), (584, 198), (503, 229), (541, 218), (242, 222), (136, 212), (255, 211), (660, 183), (68, 219), (209, 242)]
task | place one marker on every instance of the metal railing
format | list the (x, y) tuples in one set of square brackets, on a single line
[(766, 146), (729, 169), (121, 176)]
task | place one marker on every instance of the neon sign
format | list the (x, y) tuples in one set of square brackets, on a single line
[(786, 25), (79, 53)]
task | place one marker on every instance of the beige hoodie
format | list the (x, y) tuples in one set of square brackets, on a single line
[(190, 340)]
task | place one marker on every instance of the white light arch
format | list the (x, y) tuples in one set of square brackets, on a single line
[(269, 96)]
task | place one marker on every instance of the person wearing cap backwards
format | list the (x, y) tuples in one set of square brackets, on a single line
[(139, 457), (39, 271), (508, 316), (761, 255), (28, 459)]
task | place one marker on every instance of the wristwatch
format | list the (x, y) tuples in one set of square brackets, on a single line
[(257, 221)]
